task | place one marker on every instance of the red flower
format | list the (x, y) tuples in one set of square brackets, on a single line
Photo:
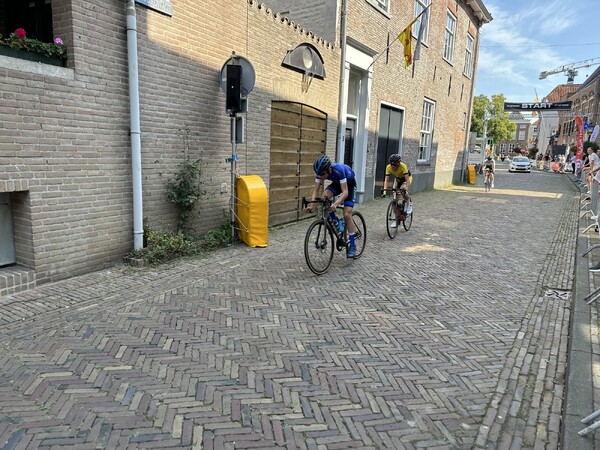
[(20, 33)]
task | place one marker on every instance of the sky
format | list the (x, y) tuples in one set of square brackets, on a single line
[(527, 37)]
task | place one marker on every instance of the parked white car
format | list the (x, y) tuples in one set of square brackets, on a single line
[(520, 164)]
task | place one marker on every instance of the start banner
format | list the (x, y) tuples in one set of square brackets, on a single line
[(538, 106)]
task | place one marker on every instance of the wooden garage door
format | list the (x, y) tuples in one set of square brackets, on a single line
[(297, 137)]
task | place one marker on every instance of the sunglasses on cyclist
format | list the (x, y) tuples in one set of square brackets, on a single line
[(395, 164)]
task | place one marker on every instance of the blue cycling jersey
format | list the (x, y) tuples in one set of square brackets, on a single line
[(341, 173)]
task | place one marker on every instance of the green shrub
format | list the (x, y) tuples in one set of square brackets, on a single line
[(166, 246), (184, 190)]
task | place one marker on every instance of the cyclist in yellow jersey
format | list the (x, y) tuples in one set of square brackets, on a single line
[(403, 178)]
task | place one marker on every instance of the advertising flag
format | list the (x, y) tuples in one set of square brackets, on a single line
[(579, 122), (594, 135)]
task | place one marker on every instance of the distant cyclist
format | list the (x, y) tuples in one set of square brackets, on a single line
[(489, 165), (402, 177), (343, 186)]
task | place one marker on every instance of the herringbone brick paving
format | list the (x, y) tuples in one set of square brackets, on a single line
[(441, 338)]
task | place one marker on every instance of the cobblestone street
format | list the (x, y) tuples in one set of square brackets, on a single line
[(454, 335)]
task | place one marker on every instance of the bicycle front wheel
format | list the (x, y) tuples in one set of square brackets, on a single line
[(360, 233), (391, 222), (318, 247)]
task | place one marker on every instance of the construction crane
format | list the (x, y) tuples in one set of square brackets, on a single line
[(570, 69)]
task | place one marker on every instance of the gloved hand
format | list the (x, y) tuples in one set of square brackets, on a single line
[(383, 194)]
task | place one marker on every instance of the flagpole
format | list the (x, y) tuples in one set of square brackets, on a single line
[(392, 43)]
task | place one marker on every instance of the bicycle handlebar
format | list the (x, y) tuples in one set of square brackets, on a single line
[(394, 190), (325, 202)]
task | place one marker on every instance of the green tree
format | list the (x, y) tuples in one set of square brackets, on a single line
[(481, 105), (499, 127)]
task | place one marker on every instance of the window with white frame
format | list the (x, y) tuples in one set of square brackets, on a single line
[(420, 5), (449, 37), (426, 130), (468, 56), (383, 5)]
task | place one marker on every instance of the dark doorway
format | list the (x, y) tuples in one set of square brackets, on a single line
[(389, 141), (349, 140)]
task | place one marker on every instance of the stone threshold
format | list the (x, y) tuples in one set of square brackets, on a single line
[(15, 279)]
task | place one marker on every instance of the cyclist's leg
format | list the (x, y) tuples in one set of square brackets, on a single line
[(348, 207), (397, 198), (407, 199), (491, 178), (405, 193), (329, 192)]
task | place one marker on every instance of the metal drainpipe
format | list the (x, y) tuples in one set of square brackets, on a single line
[(466, 149), (341, 112), (134, 125)]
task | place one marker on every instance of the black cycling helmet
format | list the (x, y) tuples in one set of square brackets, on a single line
[(489, 158), (322, 164), (395, 158)]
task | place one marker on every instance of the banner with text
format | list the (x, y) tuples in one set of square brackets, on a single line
[(538, 106), (579, 122)]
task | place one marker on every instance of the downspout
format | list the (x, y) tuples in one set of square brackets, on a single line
[(469, 116), (134, 126), (343, 93)]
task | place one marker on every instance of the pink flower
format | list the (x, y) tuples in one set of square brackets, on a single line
[(58, 41), (20, 33)]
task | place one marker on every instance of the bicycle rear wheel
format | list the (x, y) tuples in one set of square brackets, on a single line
[(360, 235), (391, 222), (318, 247)]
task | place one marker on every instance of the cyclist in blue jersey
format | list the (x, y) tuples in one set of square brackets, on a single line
[(343, 186)]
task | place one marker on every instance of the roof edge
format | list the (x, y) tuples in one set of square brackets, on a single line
[(480, 10)]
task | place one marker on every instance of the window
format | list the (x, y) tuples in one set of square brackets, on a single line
[(426, 130), (521, 135), (35, 16), (468, 57), (382, 5), (420, 5), (449, 37)]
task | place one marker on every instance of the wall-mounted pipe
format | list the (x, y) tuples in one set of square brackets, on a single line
[(135, 133)]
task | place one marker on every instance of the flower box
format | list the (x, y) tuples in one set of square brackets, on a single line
[(31, 56)]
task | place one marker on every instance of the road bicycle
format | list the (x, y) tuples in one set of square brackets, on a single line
[(396, 212), (487, 180), (326, 234)]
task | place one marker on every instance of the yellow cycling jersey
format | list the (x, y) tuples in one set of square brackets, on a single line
[(400, 171)]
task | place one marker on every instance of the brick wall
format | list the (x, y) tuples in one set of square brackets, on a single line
[(65, 132), (434, 79)]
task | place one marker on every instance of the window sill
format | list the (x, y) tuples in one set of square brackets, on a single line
[(31, 56), (22, 65)]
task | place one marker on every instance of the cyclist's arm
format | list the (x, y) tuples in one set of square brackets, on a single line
[(315, 191), (407, 181), (385, 183)]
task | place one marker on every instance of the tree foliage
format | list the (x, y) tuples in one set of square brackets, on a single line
[(499, 127)]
